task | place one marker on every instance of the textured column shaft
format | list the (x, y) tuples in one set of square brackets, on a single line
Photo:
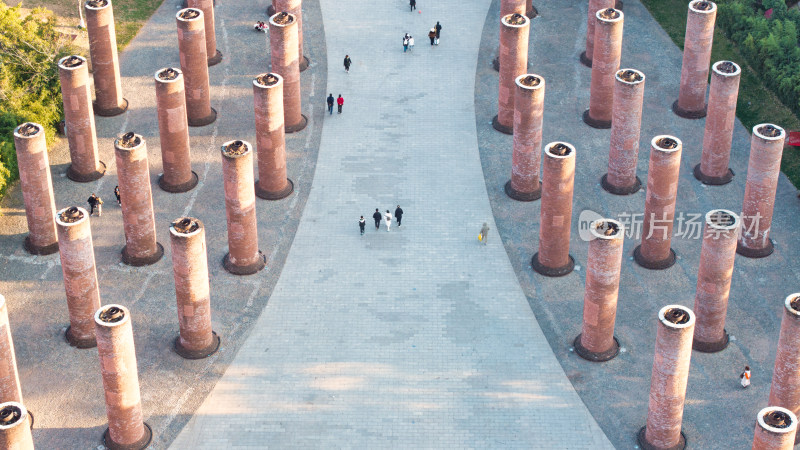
[(173, 131), (526, 158), (594, 6), (669, 378), (85, 164), (659, 208), (105, 62), (763, 171), (558, 180), (605, 64), (272, 183), (15, 427), (285, 61), (776, 429), (194, 65), (697, 43), (207, 6), (295, 8), (138, 218), (713, 168), (37, 188), (714, 279), (240, 209), (10, 389), (626, 125), (514, 32), (80, 274), (785, 389), (120, 375)]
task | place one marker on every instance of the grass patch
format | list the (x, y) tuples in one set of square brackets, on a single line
[(756, 104)]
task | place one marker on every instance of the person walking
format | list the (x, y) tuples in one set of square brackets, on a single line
[(330, 103), (116, 194), (398, 213), (411, 43), (388, 218), (432, 35), (745, 377), (405, 43), (340, 102), (347, 63), (483, 236), (362, 224), (95, 202), (438, 29), (413, 4), (377, 218)]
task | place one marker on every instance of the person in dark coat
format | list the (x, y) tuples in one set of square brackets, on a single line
[(398, 213), (330, 103), (347, 63), (116, 194), (377, 217), (362, 224), (95, 202), (432, 35), (340, 102), (413, 4), (438, 29)]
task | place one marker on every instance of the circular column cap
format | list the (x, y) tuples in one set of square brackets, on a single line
[(71, 216), (189, 15), (72, 62), (629, 76), (559, 150), (286, 19), (726, 69), (722, 219), (769, 132), (185, 227), (97, 5), (676, 316), (168, 75), (28, 130), (606, 229), (792, 304), (128, 142), (778, 415), (702, 7), (113, 315), (267, 80), (666, 143), (236, 149), (12, 414), (515, 20), (609, 15), (530, 81)]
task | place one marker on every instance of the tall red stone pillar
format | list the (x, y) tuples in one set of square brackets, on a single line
[(659, 210), (126, 426), (10, 388), (525, 185), (605, 64), (295, 8), (86, 166), (207, 6), (196, 339), (673, 354), (691, 102), (285, 61), (194, 66), (514, 32), (15, 427), (272, 182), (173, 130), (785, 389), (713, 168), (558, 181), (510, 7), (138, 219), (37, 189), (596, 341), (80, 274), (626, 125), (714, 280), (594, 6), (763, 170), (776, 429), (105, 62), (244, 257)]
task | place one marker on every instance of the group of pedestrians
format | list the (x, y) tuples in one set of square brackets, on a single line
[(96, 203), (386, 218), (339, 102), (433, 35)]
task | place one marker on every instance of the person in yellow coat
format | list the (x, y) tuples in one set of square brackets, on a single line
[(484, 235)]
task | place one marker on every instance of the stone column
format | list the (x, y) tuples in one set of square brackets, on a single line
[(295, 8), (126, 426), (138, 219), (714, 280), (194, 66), (10, 388), (510, 7), (596, 341), (605, 64), (514, 31), (207, 6), (195, 340), (558, 181), (776, 429), (244, 257), (80, 275), (691, 102), (284, 60), (105, 62), (15, 427), (785, 389), (763, 170), (525, 185), (86, 166), (713, 168), (659, 209), (594, 6), (668, 382), (37, 189), (626, 124), (173, 130), (272, 182)]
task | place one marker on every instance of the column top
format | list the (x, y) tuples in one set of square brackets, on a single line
[(186, 226), (722, 219), (72, 62), (777, 420), (559, 150), (11, 415), (726, 69), (112, 316), (607, 229), (769, 132), (530, 81), (97, 4), (282, 19), (189, 15), (236, 149), (676, 317), (515, 20), (792, 304), (128, 142), (666, 143), (267, 80), (71, 216), (702, 7), (609, 15), (168, 75), (630, 76), (28, 130)]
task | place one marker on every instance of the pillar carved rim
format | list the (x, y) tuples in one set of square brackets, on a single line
[(662, 143), (761, 130), (176, 228), (553, 146), (715, 216), (617, 16), (794, 311), (75, 67), (231, 154), (597, 229), (62, 222), (106, 4), (158, 78), (521, 85), (667, 322), (190, 19), (126, 316), (774, 429), (292, 20), (119, 143), (637, 75), (261, 85), (18, 134), (9, 407), (695, 6), (506, 20), (718, 69)]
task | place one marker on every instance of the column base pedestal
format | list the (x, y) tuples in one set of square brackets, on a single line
[(298, 126), (713, 181), (500, 127), (711, 347), (616, 190), (523, 196), (686, 114), (596, 356), (203, 121), (641, 438), (111, 112), (244, 270), (197, 354), (77, 342), (138, 445), (496, 64), (585, 60), (304, 63), (86, 177), (552, 271), (143, 261), (654, 265), (275, 195), (216, 59), (177, 188), (595, 123), (755, 252), (36, 250)]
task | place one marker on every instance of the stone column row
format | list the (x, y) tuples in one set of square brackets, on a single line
[(605, 64)]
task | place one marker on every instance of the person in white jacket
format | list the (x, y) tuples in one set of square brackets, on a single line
[(411, 43), (388, 219)]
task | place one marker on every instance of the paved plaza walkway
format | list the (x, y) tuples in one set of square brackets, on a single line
[(417, 337)]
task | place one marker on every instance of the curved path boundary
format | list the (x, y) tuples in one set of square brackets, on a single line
[(418, 337)]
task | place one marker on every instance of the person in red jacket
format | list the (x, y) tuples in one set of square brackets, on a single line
[(340, 102)]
